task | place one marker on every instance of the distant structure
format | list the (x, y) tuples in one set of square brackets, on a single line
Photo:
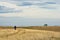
[(45, 24), (14, 27)]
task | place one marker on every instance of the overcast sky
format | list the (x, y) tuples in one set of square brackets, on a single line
[(29, 12)]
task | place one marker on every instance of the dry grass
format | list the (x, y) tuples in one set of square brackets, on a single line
[(47, 28), (30, 34)]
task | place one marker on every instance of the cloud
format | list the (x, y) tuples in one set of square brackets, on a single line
[(46, 5), (34, 11), (49, 6), (6, 7), (10, 5), (26, 0), (50, 2), (25, 4)]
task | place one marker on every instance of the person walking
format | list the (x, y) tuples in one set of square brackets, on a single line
[(14, 27)]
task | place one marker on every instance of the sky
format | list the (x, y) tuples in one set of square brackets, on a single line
[(29, 12)]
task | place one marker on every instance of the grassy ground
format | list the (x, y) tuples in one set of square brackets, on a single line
[(47, 28), (30, 33)]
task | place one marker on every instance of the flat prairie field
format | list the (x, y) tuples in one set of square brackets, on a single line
[(30, 33)]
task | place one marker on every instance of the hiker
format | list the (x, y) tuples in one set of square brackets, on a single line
[(14, 27)]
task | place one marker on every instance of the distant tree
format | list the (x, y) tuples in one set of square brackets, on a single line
[(45, 24)]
